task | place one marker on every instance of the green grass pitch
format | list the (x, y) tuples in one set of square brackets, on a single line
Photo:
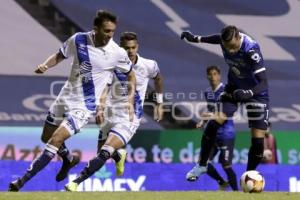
[(148, 196)]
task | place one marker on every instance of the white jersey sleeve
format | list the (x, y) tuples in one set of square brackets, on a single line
[(124, 64), (68, 48), (154, 70)]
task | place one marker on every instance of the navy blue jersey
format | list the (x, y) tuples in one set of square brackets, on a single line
[(227, 131), (244, 64)]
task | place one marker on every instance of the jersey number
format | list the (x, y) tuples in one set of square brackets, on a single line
[(256, 57)]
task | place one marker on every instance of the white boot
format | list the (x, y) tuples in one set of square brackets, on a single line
[(194, 173)]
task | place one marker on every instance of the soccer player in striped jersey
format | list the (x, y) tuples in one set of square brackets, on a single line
[(247, 84), (94, 58), (113, 111)]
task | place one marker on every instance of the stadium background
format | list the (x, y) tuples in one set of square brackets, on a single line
[(32, 29)]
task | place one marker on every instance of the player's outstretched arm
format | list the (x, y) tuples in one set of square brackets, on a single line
[(51, 61), (158, 83), (131, 92), (211, 39)]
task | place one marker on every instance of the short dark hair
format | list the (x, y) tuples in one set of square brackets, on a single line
[(102, 15), (125, 36), (228, 32), (212, 67)]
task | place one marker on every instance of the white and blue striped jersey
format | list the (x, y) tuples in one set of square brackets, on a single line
[(91, 68), (144, 70)]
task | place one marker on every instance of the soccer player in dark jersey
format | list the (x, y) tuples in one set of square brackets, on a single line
[(247, 84), (225, 136)]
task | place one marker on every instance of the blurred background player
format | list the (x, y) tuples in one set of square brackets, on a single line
[(117, 100), (225, 136), (247, 84), (116, 121), (95, 56)]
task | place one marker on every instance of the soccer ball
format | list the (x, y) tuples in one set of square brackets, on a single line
[(252, 182)]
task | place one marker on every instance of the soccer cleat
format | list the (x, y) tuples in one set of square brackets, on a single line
[(194, 173), (15, 186), (65, 168), (224, 186), (71, 187), (120, 166)]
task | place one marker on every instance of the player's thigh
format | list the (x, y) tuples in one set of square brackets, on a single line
[(226, 152), (258, 116), (213, 153), (123, 131), (76, 118), (59, 136)]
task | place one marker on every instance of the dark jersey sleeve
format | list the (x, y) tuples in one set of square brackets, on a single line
[(211, 39), (262, 83), (255, 60)]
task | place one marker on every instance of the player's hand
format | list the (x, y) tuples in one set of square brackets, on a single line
[(41, 69), (158, 112), (200, 124), (224, 96), (205, 116), (189, 36), (100, 115), (242, 95)]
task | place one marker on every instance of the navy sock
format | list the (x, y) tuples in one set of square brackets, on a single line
[(94, 165), (255, 154), (64, 153), (231, 176), (40, 162), (212, 172), (208, 141)]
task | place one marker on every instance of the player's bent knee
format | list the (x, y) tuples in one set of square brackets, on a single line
[(106, 151), (59, 136), (115, 141)]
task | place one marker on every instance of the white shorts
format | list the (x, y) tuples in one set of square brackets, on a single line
[(117, 124), (72, 115)]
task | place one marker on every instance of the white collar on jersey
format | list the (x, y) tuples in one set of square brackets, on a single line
[(217, 88)]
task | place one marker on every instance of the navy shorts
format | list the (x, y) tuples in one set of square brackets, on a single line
[(257, 111), (225, 146)]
